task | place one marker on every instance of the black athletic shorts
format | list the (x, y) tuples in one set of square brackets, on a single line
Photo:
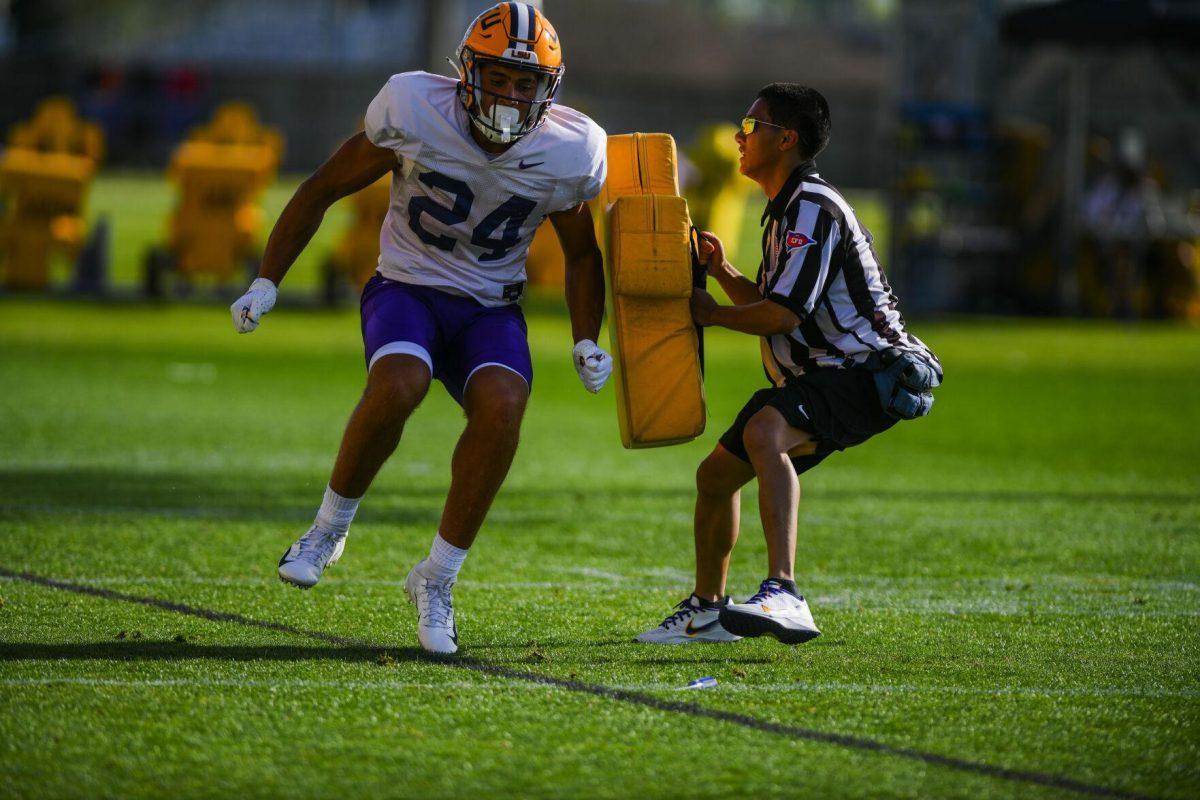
[(839, 406)]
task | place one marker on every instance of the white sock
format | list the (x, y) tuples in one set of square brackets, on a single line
[(336, 512), (445, 560)]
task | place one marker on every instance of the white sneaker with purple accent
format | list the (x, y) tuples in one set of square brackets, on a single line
[(773, 611)]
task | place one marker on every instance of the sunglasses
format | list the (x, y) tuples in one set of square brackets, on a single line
[(750, 125)]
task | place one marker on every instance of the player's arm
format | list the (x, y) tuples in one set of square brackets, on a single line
[(760, 318), (585, 270), (741, 290), (585, 292), (357, 164)]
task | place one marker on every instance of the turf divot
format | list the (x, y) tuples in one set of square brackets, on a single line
[(632, 697)]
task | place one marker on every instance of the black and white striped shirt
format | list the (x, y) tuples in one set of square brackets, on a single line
[(818, 262)]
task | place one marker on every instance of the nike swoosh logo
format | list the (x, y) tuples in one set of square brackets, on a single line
[(802, 411), (523, 165), (692, 630)]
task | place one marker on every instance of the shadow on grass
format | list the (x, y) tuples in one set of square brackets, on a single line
[(295, 496), (156, 650), (279, 495)]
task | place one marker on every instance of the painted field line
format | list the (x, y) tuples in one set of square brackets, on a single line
[(724, 688), (635, 698), (237, 683)]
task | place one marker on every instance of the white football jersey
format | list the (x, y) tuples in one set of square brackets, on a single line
[(460, 219)]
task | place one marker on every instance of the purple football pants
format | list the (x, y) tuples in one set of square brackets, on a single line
[(453, 335)]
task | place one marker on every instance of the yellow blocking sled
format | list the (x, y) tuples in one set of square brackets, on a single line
[(221, 171), (44, 177), (656, 351)]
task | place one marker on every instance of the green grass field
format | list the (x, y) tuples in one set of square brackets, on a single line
[(1009, 589)]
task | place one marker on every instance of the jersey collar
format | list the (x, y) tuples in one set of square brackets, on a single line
[(779, 203)]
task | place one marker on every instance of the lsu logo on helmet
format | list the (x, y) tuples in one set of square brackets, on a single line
[(517, 36)]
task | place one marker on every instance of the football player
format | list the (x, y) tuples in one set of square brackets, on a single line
[(477, 163)]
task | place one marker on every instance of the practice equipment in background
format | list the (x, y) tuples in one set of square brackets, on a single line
[(44, 177), (221, 171)]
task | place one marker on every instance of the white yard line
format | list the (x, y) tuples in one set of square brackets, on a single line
[(592, 572), (499, 683)]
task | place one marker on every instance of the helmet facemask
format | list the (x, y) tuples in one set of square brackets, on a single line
[(508, 118)]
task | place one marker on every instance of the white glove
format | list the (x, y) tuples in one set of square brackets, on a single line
[(593, 365), (258, 300)]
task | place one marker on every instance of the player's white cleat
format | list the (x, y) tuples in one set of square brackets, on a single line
[(435, 610), (774, 611), (692, 621), (308, 557)]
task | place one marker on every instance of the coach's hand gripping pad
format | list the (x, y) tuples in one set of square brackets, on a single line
[(660, 389)]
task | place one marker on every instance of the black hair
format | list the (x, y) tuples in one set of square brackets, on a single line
[(801, 109)]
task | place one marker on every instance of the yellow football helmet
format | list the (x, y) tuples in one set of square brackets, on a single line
[(517, 36)]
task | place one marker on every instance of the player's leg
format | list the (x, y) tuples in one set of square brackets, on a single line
[(495, 401), (490, 372), (399, 334), (798, 426), (719, 482), (769, 441), (396, 385), (777, 609)]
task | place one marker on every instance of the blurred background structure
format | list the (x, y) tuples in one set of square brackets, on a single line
[(1010, 157)]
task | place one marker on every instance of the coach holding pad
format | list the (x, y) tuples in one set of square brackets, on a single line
[(842, 367)]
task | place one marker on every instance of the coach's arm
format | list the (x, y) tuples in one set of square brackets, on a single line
[(750, 313), (761, 318)]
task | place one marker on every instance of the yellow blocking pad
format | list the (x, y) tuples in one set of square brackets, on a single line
[(640, 163), (657, 377)]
